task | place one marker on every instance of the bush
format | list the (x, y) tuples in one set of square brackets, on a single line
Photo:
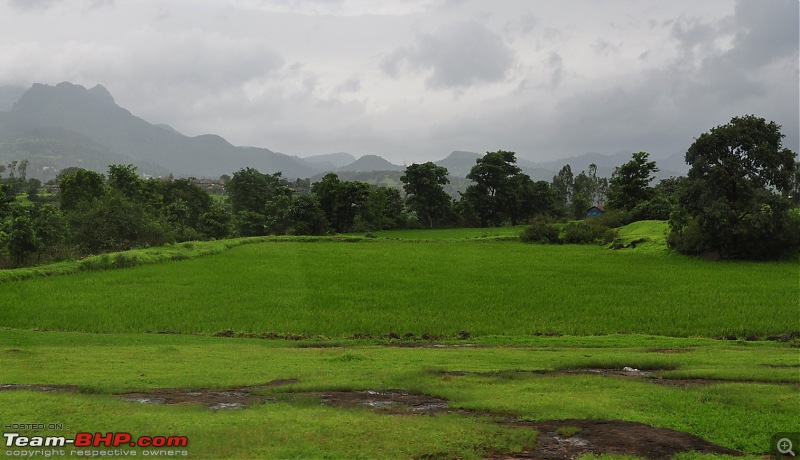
[(541, 230), (685, 236), (588, 232), (656, 209), (614, 218)]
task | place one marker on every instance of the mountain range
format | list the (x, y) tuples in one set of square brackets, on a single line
[(55, 127)]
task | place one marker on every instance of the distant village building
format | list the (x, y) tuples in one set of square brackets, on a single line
[(595, 211), (214, 186)]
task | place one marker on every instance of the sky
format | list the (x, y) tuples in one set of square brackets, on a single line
[(413, 80)]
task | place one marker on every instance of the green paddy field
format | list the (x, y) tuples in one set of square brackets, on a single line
[(412, 344)]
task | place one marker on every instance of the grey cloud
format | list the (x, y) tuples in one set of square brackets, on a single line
[(604, 47), (351, 85), (523, 25), (767, 31), (456, 57), (32, 4), (555, 62), (203, 59)]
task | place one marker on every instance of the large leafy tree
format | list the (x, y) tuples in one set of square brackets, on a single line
[(501, 191), (630, 183), (423, 183), (735, 200), (341, 201), (258, 201), (80, 186)]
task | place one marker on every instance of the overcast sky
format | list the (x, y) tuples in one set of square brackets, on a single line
[(413, 80)]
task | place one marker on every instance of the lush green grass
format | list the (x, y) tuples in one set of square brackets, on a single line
[(485, 379), (647, 236), (438, 287), (504, 293)]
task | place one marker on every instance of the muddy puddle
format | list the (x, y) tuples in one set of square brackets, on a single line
[(650, 376), (567, 439), (556, 439), (215, 399), (393, 401)]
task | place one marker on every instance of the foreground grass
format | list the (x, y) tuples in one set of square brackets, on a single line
[(741, 412), (375, 287)]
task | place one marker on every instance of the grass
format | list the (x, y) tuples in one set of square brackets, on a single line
[(499, 307), (497, 380), (645, 236), (436, 288)]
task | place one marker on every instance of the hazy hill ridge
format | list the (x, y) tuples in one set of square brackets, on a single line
[(69, 125)]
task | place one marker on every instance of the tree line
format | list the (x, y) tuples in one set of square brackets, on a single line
[(740, 199)]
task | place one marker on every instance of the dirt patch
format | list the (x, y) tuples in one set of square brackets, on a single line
[(612, 437), (671, 350), (231, 398), (392, 401), (21, 386), (565, 439), (215, 399), (649, 376)]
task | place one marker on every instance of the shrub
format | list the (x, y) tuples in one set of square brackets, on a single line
[(614, 218), (541, 230), (588, 232), (656, 209)]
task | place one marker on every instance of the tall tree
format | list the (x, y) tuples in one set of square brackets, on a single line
[(258, 200), (80, 186), (630, 183), (562, 186), (496, 192), (423, 184), (341, 201), (737, 191)]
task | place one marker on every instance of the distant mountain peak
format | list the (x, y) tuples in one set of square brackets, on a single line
[(100, 92), (371, 163)]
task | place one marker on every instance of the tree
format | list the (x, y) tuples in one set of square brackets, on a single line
[(80, 186), (305, 216), (341, 201), (496, 193), (383, 209), (185, 204), (259, 201), (735, 200), (125, 179), (562, 186), (31, 230), (423, 184), (630, 183), (115, 223)]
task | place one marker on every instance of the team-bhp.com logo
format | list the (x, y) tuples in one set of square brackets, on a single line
[(95, 440)]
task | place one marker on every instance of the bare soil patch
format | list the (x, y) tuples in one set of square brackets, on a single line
[(650, 376), (230, 398), (391, 401), (590, 436), (671, 350), (611, 437), (565, 439), (24, 386)]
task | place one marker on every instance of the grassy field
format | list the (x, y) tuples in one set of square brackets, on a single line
[(499, 330), (438, 287), (739, 410)]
